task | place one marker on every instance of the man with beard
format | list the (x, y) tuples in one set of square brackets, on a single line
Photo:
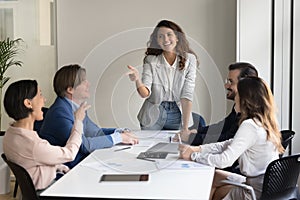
[(226, 128)]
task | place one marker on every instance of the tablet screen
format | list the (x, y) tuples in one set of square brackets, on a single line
[(124, 177)]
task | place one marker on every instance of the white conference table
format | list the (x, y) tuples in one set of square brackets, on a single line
[(169, 178)]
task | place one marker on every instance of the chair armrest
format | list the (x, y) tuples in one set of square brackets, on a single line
[(242, 185)]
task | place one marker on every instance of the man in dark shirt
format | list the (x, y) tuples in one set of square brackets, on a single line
[(226, 128)]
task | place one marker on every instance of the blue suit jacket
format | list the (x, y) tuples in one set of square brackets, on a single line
[(57, 127)]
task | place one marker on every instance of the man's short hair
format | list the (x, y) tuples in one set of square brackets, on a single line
[(246, 69), (68, 76)]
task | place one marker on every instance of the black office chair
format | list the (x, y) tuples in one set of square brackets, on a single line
[(280, 180), (24, 180), (286, 139), (198, 121)]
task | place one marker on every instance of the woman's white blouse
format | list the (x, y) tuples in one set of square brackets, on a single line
[(250, 146)]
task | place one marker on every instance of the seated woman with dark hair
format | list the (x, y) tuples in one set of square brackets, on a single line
[(23, 101)]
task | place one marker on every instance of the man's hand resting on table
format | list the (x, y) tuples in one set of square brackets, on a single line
[(129, 138)]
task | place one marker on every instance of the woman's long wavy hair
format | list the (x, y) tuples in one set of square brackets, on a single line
[(182, 47), (257, 102)]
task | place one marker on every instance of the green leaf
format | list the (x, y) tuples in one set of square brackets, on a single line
[(3, 81), (9, 50)]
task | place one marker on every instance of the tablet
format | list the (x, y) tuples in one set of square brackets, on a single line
[(124, 177)]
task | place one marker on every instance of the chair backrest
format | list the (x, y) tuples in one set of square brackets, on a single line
[(286, 139), (281, 176), (24, 180), (198, 121)]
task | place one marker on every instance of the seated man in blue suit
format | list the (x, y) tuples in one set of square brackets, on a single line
[(72, 89)]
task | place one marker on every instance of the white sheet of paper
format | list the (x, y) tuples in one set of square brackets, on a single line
[(97, 166), (178, 164)]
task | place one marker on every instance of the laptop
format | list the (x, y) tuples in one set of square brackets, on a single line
[(164, 147)]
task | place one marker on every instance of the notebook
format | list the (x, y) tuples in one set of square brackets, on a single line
[(164, 147)]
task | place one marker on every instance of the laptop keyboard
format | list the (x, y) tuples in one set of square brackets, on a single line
[(164, 147)]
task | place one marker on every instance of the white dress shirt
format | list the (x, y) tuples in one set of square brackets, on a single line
[(250, 146)]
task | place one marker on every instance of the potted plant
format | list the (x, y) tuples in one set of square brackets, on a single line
[(9, 49)]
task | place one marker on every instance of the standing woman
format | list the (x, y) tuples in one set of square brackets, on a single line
[(23, 101), (256, 143), (168, 80)]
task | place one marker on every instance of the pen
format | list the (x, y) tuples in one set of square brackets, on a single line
[(147, 159), (121, 149)]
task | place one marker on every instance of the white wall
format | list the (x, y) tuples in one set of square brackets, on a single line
[(253, 34), (87, 26), (38, 61), (105, 36)]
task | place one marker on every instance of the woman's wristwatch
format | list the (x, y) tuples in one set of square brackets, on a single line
[(194, 156)]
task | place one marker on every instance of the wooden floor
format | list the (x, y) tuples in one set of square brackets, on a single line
[(9, 196)]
